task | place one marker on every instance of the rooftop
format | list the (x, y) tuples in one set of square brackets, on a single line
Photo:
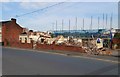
[(12, 19)]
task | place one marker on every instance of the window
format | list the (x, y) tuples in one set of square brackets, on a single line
[(30, 38), (42, 40), (25, 38)]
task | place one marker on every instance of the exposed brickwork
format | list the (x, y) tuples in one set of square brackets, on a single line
[(116, 41), (22, 45), (10, 32), (59, 47), (10, 36)]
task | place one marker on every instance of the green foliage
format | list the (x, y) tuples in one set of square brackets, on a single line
[(117, 35), (52, 35)]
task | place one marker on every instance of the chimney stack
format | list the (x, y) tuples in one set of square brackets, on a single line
[(13, 20)]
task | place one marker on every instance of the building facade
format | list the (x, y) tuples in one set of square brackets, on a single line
[(10, 31)]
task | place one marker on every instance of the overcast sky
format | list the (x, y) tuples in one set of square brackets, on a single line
[(45, 20)]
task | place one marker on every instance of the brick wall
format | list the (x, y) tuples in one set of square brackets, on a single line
[(59, 47), (21, 45), (10, 32), (116, 41)]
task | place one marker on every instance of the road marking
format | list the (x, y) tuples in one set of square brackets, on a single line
[(85, 57)]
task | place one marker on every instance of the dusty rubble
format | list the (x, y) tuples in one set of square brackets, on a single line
[(91, 48), (74, 42), (95, 51)]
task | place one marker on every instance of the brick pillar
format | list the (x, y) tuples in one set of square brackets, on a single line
[(32, 43)]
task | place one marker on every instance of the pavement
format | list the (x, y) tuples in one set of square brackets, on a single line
[(17, 61)]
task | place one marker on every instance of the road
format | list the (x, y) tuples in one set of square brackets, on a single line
[(27, 62)]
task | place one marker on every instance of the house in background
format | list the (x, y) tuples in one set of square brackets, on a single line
[(10, 31), (37, 36)]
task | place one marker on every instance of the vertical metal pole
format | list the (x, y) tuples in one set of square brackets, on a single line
[(53, 26), (62, 24), (91, 24), (111, 21), (56, 25), (98, 22), (76, 23), (106, 20), (111, 32), (83, 23), (69, 25), (103, 20)]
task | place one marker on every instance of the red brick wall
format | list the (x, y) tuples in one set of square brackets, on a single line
[(22, 45), (59, 47), (10, 32), (3, 32), (116, 41)]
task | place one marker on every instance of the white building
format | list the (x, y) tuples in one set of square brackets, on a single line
[(40, 37), (24, 38)]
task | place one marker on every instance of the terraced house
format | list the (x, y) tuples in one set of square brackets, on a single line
[(9, 32)]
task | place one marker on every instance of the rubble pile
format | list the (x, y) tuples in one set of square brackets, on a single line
[(91, 48), (73, 42), (103, 51)]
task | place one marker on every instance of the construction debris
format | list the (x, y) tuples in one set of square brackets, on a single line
[(91, 48)]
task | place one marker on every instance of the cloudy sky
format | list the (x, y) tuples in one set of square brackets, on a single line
[(44, 20)]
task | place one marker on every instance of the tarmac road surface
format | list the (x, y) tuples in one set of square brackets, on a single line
[(26, 62)]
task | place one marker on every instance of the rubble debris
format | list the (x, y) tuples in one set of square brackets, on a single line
[(90, 47)]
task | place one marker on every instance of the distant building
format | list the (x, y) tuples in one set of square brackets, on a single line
[(23, 37), (29, 36), (10, 31), (113, 31)]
